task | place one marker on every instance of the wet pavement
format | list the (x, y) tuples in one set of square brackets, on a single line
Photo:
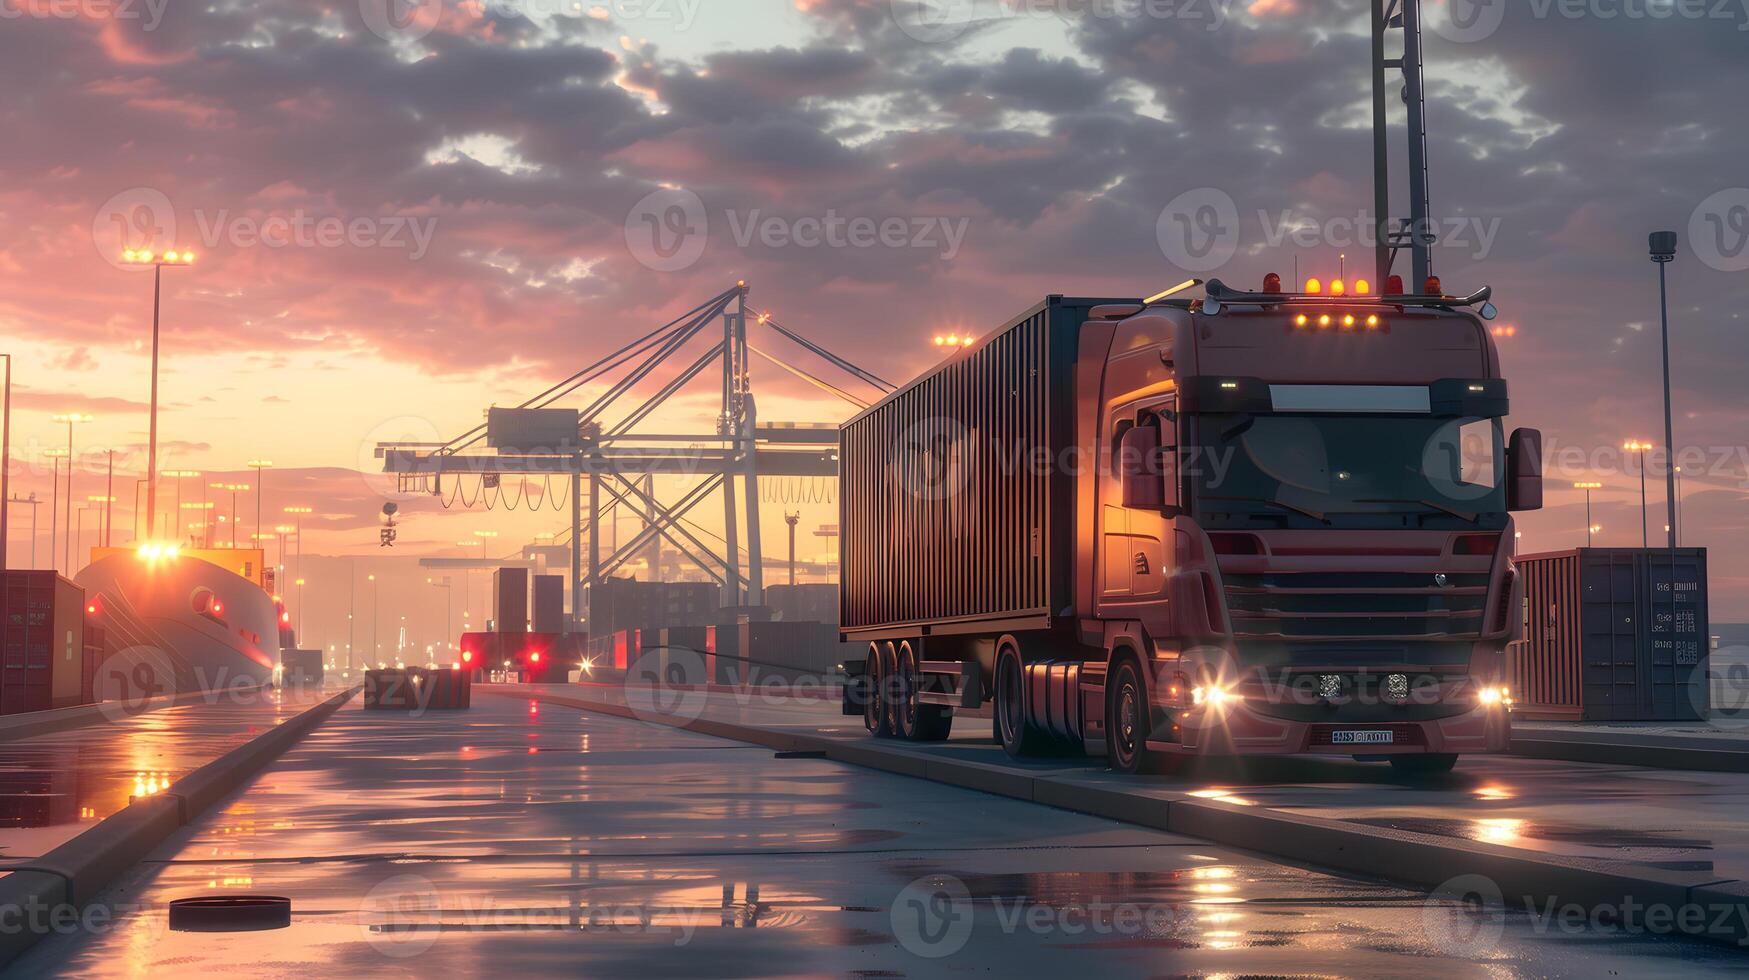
[(1673, 819), (518, 839), (54, 786)]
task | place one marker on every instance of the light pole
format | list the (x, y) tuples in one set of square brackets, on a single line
[(55, 502), (72, 419), (375, 644), (485, 541), (1663, 247), (157, 262), (234, 488), (1588, 487), (1678, 471), (6, 465), (1637, 446), (179, 476), (102, 515), (205, 525), (297, 512), (448, 609), (791, 520), (260, 466)]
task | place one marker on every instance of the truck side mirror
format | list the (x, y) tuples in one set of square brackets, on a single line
[(1138, 468), (1524, 470)]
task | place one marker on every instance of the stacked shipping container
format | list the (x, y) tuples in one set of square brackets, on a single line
[(48, 658), (1613, 634)]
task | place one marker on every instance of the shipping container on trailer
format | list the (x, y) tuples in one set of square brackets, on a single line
[(1613, 634), (1252, 522)]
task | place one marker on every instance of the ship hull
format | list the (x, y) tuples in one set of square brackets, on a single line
[(178, 624)]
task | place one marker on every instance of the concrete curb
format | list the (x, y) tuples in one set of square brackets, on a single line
[(1526, 881), (1631, 754), (77, 871), (31, 723)]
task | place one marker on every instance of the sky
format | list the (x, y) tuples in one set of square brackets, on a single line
[(404, 214)]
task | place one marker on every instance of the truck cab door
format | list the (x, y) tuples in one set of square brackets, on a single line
[(1148, 530)]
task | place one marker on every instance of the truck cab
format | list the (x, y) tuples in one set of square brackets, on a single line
[(1304, 528)]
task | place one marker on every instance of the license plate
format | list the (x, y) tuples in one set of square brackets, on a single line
[(1362, 738)]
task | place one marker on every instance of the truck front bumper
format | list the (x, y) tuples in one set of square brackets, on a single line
[(1236, 729)]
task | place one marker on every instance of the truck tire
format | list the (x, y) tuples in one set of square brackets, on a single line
[(1017, 735), (1424, 764), (1126, 721), (875, 715), (914, 720)]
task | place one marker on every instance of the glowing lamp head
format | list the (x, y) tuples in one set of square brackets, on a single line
[(1314, 287), (1338, 288), (1324, 321), (1302, 320), (1362, 287), (534, 657), (467, 656), (1433, 287)]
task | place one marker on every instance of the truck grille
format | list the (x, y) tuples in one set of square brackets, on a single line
[(1356, 605)]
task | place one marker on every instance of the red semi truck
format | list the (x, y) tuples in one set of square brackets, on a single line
[(1254, 522)]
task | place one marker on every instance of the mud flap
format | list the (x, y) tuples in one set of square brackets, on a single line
[(855, 687)]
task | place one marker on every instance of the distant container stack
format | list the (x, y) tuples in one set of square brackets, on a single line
[(510, 600), (48, 653), (549, 604), (1613, 634), (803, 603)]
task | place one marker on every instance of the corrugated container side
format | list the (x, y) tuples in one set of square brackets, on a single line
[(951, 490), (1613, 634)]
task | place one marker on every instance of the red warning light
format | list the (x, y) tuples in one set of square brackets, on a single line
[(1394, 286), (467, 656), (1272, 283), (534, 658), (1433, 287)]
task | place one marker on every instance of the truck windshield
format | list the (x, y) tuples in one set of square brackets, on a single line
[(1357, 471)]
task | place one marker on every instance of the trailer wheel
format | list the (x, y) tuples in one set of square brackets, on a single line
[(1126, 721), (1018, 737), (914, 720), (874, 705), (1424, 764)]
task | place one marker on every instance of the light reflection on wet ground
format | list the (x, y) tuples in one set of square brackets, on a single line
[(54, 786), (1673, 819), (441, 846)]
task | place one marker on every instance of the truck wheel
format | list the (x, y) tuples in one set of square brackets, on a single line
[(1425, 764), (1126, 721), (1019, 739), (874, 705), (916, 721)]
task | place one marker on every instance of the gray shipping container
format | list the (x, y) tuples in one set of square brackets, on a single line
[(1613, 634), (549, 604), (510, 599)]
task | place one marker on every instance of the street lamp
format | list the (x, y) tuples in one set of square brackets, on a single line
[(103, 527), (485, 539), (375, 643), (259, 466), (205, 525), (1663, 247), (72, 419), (1588, 487), (234, 488), (297, 512), (157, 260), (1638, 446)]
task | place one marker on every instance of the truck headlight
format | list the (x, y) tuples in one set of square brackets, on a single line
[(1213, 696), (1494, 697)]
